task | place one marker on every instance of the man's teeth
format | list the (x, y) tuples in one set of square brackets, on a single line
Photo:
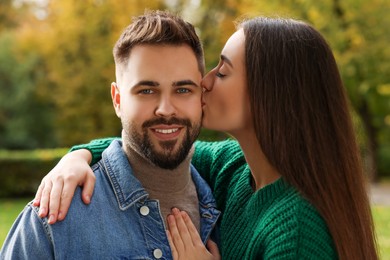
[(167, 131)]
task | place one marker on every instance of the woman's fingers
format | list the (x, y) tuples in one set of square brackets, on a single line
[(191, 229), (213, 249), (175, 234), (55, 200), (88, 187), (57, 188), (182, 227), (63, 203), (45, 198), (38, 195), (185, 240), (175, 254)]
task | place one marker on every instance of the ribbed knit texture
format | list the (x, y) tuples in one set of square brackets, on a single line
[(275, 222), (96, 147)]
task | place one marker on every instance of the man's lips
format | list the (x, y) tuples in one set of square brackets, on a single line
[(167, 132)]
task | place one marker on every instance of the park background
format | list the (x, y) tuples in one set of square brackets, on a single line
[(56, 67)]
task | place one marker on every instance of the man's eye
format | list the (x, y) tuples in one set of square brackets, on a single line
[(219, 75), (183, 90), (146, 91)]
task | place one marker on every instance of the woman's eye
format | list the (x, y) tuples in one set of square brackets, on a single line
[(219, 75)]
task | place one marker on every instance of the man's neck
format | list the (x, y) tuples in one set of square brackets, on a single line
[(157, 179), (172, 188)]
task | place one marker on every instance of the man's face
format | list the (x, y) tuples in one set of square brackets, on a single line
[(158, 98)]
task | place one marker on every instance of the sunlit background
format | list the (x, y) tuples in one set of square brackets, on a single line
[(56, 67), (56, 62)]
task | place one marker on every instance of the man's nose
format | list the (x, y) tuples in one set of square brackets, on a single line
[(166, 107)]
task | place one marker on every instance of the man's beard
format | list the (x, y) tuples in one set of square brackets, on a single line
[(168, 159)]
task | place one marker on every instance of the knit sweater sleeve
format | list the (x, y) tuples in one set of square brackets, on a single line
[(96, 147), (220, 164)]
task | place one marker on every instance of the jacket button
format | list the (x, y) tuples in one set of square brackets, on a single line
[(157, 253), (144, 210)]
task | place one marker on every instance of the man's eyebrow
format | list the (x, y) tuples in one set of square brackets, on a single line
[(226, 59), (146, 83), (184, 83)]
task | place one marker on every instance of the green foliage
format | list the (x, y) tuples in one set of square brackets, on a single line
[(208, 135), (22, 171), (8, 15), (384, 162), (56, 70), (20, 106), (358, 32)]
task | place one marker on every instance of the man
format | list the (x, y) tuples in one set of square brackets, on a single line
[(159, 67)]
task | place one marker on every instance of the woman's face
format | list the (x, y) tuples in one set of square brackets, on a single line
[(225, 100)]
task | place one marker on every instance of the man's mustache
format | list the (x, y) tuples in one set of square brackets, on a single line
[(165, 121)]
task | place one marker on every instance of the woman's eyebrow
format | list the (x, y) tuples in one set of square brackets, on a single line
[(226, 59)]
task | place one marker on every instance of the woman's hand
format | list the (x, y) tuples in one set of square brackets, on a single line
[(57, 188), (185, 241)]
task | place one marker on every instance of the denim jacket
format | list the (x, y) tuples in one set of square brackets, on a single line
[(121, 222)]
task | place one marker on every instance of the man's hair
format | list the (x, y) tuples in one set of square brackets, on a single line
[(158, 28)]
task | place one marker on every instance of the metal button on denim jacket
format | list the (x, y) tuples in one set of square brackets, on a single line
[(120, 223)]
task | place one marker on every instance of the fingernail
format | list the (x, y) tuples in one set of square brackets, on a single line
[(36, 202), (88, 199), (60, 215), (41, 212), (51, 219), (175, 210)]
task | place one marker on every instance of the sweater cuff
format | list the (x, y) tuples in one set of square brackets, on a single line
[(95, 147)]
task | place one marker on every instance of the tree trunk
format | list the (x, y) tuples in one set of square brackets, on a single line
[(371, 157)]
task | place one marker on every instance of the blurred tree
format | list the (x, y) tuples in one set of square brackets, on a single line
[(8, 15), (56, 62), (21, 107), (365, 65), (77, 43), (24, 115), (359, 34)]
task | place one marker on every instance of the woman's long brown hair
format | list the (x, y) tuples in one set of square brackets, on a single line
[(304, 127)]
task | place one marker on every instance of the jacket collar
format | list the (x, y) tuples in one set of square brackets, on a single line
[(128, 188)]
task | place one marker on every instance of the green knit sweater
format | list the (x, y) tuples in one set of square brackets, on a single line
[(275, 222)]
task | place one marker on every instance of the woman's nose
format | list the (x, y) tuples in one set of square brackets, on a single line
[(208, 81)]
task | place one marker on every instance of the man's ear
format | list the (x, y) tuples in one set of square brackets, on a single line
[(116, 98)]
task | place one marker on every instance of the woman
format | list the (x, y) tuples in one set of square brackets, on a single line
[(292, 185)]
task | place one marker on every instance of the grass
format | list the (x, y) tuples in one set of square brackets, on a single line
[(382, 224), (10, 209)]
